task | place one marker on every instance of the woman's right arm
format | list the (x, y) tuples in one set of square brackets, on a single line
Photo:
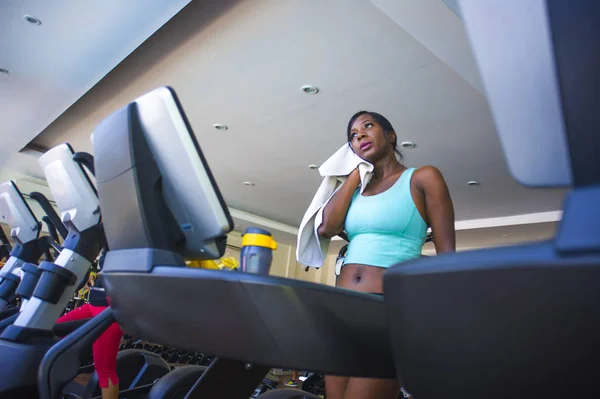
[(334, 213)]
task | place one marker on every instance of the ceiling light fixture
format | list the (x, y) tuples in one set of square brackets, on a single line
[(308, 89), (408, 144), (473, 183), (248, 183), (219, 126), (4, 71), (32, 20), (313, 166)]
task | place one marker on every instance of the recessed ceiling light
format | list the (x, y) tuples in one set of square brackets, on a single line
[(219, 126), (308, 89), (407, 144), (32, 20), (504, 235), (473, 183), (4, 71), (313, 166), (248, 183)]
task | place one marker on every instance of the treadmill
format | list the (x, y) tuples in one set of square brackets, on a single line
[(522, 321), (516, 322), (160, 203)]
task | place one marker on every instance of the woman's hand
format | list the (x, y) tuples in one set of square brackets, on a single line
[(334, 214)]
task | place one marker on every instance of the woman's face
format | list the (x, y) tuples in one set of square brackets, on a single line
[(367, 138)]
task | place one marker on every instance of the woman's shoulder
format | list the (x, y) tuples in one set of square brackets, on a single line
[(427, 175)]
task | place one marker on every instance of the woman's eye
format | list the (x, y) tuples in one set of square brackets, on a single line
[(353, 135), (368, 125)]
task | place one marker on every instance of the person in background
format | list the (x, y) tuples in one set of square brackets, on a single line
[(106, 347), (294, 381), (386, 225)]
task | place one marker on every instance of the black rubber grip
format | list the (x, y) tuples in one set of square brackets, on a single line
[(8, 285), (31, 276), (85, 159), (53, 282)]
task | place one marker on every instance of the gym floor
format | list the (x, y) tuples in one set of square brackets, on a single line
[(283, 378)]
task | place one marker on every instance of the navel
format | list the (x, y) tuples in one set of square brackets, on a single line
[(357, 277)]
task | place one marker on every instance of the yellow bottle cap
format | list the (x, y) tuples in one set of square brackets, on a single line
[(259, 240)]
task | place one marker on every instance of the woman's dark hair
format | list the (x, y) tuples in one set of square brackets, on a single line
[(381, 120)]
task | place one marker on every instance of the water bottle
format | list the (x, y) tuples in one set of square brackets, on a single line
[(257, 251)]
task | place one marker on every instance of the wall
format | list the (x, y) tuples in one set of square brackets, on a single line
[(324, 275), (285, 265), (284, 257), (284, 260)]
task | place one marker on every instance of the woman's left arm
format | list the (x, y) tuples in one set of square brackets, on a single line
[(438, 207)]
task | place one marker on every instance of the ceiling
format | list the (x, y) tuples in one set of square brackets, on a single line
[(242, 64), (51, 65)]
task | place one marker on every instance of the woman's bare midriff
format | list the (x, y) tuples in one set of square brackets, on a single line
[(362, 278)]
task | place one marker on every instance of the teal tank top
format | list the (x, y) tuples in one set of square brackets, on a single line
[(385, 229)]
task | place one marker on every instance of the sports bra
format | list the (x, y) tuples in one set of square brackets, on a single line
[(386, 228)]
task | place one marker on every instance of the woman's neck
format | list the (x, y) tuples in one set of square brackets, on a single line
[(385, 167)]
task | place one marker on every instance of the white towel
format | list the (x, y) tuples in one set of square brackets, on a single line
[(312, 249)]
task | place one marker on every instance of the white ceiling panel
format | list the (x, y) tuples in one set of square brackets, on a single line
[(242, 64)]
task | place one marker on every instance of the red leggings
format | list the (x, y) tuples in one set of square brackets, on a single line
[(105, 348)]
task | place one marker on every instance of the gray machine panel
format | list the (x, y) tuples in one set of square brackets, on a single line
[(512, 45), (518, 321), (270, 321), (187, 187), (189, 182)]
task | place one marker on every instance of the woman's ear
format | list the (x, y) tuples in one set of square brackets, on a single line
[(393, 138)]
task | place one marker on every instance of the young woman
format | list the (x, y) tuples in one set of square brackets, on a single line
[(386, 225), (106, 347)]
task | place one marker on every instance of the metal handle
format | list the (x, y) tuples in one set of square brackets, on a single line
[(51, 229), (51, 213), (85, 159)]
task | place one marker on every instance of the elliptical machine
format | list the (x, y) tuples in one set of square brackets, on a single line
[(24, 342), (19, 275), (135, 367), (5, 246)]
